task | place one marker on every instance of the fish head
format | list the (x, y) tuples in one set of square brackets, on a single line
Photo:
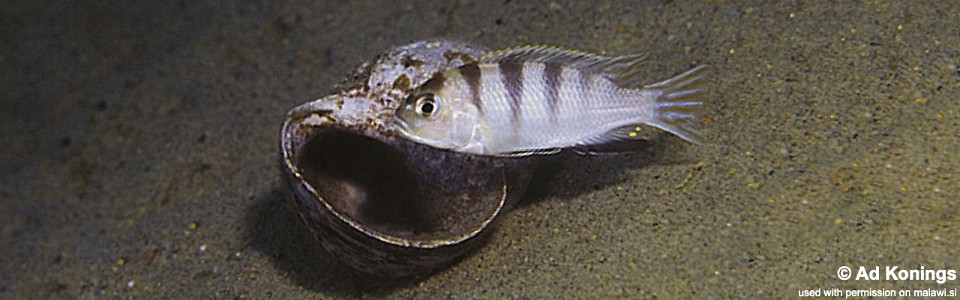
[(439, 117)]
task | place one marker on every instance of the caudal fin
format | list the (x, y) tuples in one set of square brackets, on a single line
[(678, 103)]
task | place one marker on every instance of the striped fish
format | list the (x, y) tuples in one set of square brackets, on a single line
[(540, 100)]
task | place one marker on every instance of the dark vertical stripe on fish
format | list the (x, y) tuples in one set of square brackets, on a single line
[(471, 73), (512, 72), (435, 83), (585, 83), (551, 79)]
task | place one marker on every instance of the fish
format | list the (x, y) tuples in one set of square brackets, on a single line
[(539, 100)]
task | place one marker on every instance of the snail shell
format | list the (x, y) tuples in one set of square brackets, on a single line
[(380, 203)]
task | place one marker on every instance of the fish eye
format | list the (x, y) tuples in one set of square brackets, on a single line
[(426, 105)]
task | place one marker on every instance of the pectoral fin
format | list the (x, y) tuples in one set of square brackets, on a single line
[(530, 153)]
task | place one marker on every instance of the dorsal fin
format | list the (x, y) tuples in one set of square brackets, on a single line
[(621, 69)]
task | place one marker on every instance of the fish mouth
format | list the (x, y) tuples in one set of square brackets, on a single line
[(402, 127)]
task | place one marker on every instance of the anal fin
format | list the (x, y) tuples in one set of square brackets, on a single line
[(622, 139)]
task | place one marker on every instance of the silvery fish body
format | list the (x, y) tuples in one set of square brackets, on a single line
[(539, 100)]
